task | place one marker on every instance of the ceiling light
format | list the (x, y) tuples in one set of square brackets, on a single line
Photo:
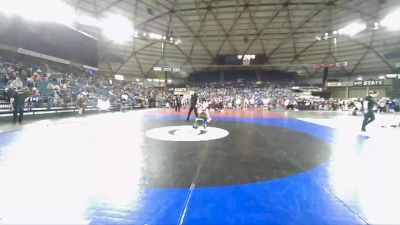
[(178, 41), (155, 36), (352, 29), (117, 28), (88, 21), (391, 21), (359, 78), (11, 7), (391, 75), (40, 10), (382, 77)]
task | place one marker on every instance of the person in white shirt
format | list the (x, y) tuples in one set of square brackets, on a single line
[(203, 114), (246, 103), (238, 103), (124, 101), (286, 104), (382, 106)]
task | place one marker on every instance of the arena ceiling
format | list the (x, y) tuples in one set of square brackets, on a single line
[(284, 30)]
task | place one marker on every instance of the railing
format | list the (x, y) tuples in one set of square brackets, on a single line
[(42, 104)]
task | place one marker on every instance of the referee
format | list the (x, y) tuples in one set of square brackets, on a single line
[(193, 105), (368, 106)]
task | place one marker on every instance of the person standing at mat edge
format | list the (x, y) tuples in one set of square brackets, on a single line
[(368, 106), (17, 103), (178, 104), (193, 105)]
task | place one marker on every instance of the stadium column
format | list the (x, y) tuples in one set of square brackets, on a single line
[(221, 76), (347, 92), (166, 78)]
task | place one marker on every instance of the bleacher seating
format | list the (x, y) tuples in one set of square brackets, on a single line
[(41, 85)]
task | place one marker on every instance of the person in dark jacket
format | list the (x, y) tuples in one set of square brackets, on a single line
[(368, 106), (178, 104), (17, 103), (193, 105)]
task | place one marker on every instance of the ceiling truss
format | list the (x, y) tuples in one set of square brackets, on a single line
[(283, 30)]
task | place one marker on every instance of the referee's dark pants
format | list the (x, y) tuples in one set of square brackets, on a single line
[(177, 108), (20, 117), (190, 111), (368, 118)]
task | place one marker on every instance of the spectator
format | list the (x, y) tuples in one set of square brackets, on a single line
[(17, 103), (178, 103)]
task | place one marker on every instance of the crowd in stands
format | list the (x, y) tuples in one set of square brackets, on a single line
[(55, 85), (279, 96)]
